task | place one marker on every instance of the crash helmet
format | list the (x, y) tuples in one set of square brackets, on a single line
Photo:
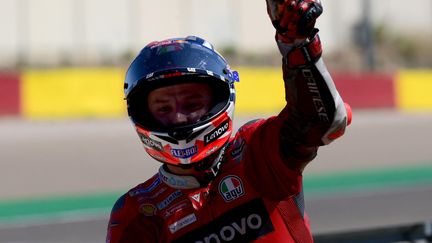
[(176, 61)]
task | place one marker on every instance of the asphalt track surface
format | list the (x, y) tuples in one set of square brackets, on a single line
[(49, 159)]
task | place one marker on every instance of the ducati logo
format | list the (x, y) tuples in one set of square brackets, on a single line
[(197, 197), (231, 188)]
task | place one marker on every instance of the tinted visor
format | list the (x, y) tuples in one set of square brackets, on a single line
[(138, 101)]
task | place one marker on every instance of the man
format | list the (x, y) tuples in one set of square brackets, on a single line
[(213, 187)]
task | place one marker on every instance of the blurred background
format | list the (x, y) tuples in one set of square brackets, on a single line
[(67, 150), (363, 34)]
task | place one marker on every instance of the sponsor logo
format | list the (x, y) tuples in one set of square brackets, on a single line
[(212, 150), (173, 196), (181, 223), (148, 189), (148, 209), (229, 232), (216, 133), (231, 188), (245, 223), (156, 194), (173, 181), (144, 198), (178, 182), (184, 153), (150, 142), (197, 197), (176, 208), (316, 95)]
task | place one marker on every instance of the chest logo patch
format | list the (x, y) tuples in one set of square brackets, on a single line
[(181, 223), (231, 188)]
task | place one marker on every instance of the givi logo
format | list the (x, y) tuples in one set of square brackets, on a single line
[(231, 187)]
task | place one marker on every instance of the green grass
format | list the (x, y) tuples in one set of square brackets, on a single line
[(368, 180), (22, 210)]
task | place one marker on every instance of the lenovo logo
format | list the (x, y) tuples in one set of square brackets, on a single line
[(244, 223), (216, 133), (229, 232)]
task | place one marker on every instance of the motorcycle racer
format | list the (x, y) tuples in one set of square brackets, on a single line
[(212, 186)]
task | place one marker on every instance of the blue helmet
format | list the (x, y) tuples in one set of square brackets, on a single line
[(173, 61)]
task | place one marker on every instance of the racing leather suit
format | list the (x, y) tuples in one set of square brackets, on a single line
[(257, 194)]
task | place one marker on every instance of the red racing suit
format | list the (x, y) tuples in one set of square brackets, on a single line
[(257, 195)]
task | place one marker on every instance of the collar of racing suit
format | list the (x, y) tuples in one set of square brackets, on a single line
[(189, 181)]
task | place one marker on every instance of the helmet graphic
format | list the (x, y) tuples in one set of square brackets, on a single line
[(175, 61)]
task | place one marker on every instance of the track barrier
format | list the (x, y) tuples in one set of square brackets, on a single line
[(97, 92)]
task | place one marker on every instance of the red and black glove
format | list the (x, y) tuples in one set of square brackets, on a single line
[(294, 19)]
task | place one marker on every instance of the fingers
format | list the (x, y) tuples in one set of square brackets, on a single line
[(293, 19), (298, 17), (287, 15), (308, 18), (290, 15)]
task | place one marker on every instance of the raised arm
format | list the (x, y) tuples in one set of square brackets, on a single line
[(315, 114)]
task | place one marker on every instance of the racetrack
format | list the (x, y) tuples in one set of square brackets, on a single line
[(42, 159)]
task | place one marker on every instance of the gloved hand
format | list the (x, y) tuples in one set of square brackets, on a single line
[(293, 19)]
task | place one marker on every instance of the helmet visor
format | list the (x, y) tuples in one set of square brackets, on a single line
[(141, 114)]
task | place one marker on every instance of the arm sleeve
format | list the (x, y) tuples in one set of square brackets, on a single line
[(315, 112), (314, 115)]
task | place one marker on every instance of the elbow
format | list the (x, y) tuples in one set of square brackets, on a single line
[(342, 119)]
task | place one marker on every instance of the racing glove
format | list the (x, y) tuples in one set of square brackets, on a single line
[(293, 19)]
